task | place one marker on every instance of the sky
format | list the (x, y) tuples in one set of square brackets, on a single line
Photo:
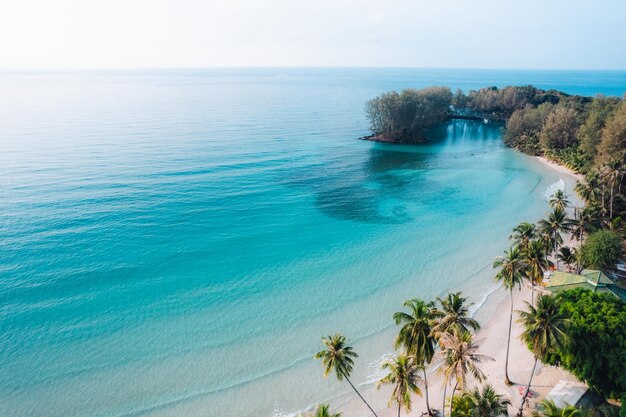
[(103, 34)]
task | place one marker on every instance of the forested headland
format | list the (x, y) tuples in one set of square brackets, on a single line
[(583, 133)]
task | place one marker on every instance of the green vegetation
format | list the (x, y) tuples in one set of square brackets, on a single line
[(407, 116), (596, 352), (322, 410), (543, 332), (480, 403), (601, 250), (513, 269), (339, 356), (583, 133), (403, 376)]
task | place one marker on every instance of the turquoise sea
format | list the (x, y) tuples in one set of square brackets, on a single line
[(175, 243)]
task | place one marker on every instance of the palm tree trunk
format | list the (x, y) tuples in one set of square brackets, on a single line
[(508, 345), (532, 299), (456, 384), (398, 409), (443, 408), (556, 252), (360, 396), (611, 209), (430, 413), (521, 407)]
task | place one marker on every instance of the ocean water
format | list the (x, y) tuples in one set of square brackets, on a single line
[(175, 243)]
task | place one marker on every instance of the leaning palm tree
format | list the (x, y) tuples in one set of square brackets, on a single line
[(547, 408), (559, 200), (460, 359), (537, 262), (486, 403), (589, 189), (322, 410), (511, 274), (339, 356), (416, 335), (556, 223), (543, 330), (403, 376), (523, 234), (453, 316), (568, 256)]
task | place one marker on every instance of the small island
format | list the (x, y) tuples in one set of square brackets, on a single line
[(579, 132)]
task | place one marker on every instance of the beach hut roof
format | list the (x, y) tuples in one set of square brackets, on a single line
[(567, 393)]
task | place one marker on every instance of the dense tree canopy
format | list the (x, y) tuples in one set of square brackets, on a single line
[(407, 116), (601, 250), (596, 352)]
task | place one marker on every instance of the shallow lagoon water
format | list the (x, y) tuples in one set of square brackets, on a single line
[(176, 242)]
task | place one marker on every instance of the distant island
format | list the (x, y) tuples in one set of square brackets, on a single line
[(577, 131)]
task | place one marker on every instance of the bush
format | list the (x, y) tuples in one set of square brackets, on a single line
[(601, 250), (596, 350)]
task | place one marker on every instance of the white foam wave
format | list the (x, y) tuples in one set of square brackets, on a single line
[(553, 188)]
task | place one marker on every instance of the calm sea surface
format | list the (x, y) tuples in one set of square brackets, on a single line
[(175, 243)]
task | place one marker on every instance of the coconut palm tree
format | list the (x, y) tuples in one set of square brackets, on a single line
[(587, 221), (460, 359), (416, 335), (453, 316), (512, 271), (559, 200), (556, 223), (339, 356), (522, 235), (612, 173), (322, 410), (537, 262), (543, 330), (486, 403), (568, 256), (547, 408), (403, 376), (589, 189)]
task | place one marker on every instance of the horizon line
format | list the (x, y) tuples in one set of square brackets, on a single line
[(261, 67)]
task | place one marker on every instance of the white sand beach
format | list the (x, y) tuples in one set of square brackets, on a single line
[(493, 339)]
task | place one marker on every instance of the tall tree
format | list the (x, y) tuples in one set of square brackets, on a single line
[(523, 234), (557, 223), (559, 200), (537, 262), (567, 255), (543, 331), (416, 335), (460, 359), (403, 376), (511, 274), (322, 410), (453, 316), (586, 221), (612, 173), (339, 356)]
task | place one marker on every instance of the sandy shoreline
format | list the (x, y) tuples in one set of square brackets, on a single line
[(494, 318)]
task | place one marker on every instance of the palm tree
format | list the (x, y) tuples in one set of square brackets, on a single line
[(543, 330), (547, 408), (339, 356), (403, 375), (522, 234), (612, 173), (416, 335), (556, 223), (511, 274), (559, 200), (486, 403), (453, 316), (537, 262), (461, 358), (589, 190), (322, 410), (568, 256), (587, 221)]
